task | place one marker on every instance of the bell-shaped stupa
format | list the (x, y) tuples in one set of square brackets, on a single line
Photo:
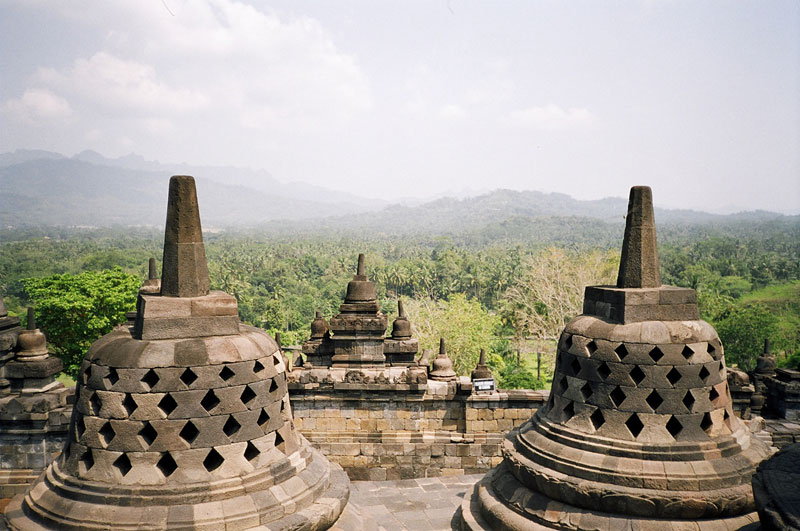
[(183, 419), (639, 430)]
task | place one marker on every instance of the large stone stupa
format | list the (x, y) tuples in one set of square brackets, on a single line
[(183, 419), (639, 431)]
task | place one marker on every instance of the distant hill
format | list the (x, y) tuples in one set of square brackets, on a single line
[(40, 188), (45, 188)]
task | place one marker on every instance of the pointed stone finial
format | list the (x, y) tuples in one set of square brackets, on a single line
[(401, 328), (318, 315), (766, 345), (442, 366), (638, 267), (360, 289), (152, 273), (184, 268), (401, 312), (361, 270), (482, 359), (31, 319), (442, 349), (481, 370)]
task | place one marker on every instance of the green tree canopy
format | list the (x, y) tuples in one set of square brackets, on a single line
[(74, 310), (742, 330)]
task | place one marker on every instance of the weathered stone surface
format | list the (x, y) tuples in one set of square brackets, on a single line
[(775, 488), (639, 427), (638, 266), (184, 270), (182, 419)]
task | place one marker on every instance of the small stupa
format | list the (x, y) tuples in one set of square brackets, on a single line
[(639, 431), (442, 366), (183, 419)]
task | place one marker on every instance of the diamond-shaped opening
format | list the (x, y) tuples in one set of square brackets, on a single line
[(95, 403), (711, 350), (263, 418), (150, 379), (603, 370), (617, 396), (688, 400), (275, 359), (706, 423), (637, 375), (656, 354), (273, 386), (112, 377), (569, 411), (87, 459), (654, 400), (568, 341), (87, 374), (231, 426), (251, 452), (80, 428), (189, 432), (673, 376), (188, 377), (721, 366), (634, 425), (704, 373), (727, 418), (283, 405), (123, 464), (621, 351), (226, 373), (167, 465), (597, 419), (591, 347), (713, 394), (687, 352), (213, 460), (148, 433), (210, 401), (129, 404), (674, 426), (258, 367), (247, 395), (107, 433), (167, 404), (563, 384), (586, 391), (278, 440), (576, 367)]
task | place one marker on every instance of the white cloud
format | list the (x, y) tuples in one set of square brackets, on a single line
[(551, 117), (116, 84), (452, 112), (37, 105), (226, 65)]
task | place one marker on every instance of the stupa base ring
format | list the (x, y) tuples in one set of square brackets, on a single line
[(501, 503), (313, 499)]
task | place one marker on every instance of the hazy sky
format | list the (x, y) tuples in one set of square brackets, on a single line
[(701, 100)]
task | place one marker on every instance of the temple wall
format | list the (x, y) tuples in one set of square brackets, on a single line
[(378, 436)]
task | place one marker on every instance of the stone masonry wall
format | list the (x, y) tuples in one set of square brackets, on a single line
[(378, 436)]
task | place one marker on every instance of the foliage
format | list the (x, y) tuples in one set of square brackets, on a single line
[(75, 310), (742, 330), (512, 376), (463, 323), (548, 290)]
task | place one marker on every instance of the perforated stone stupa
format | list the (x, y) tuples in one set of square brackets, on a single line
[(183, 419), (639, 430)]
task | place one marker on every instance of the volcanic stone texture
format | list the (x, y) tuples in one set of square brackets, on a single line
[(639, 428), (775, 486)]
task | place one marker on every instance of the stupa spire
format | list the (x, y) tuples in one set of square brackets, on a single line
[(184, 271), (638, 266)]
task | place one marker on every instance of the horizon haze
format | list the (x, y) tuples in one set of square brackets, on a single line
[(421, 100)]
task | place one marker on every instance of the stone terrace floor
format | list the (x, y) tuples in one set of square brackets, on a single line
[(426, 504)]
